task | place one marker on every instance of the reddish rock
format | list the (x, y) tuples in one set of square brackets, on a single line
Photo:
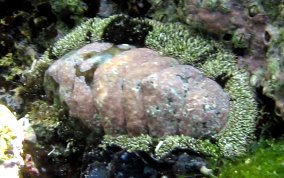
[(117, 89), (137, 92), (133, 103), (65, 79), (181, 100), (235, 22)]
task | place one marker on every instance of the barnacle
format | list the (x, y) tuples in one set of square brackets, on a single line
[(189, 48)]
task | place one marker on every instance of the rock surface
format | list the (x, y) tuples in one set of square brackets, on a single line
[(181, 100), (240, 24), (137, 92), (71, 72), (11, 138), (117, 90)]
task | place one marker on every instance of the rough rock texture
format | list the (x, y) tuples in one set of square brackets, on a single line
[(138, 92), (181, 100), (73, 89), (168, 39), (242, 24), (253, 29), (117, 89), (273, 77)]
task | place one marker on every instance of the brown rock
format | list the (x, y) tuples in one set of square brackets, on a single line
[(233, 22), (65, 79), (137, 92), (117, 89), (132, 99), (181, 100)]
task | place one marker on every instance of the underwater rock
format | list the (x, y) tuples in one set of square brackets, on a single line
[(188, 164), (139, 92), (203, 52), (272, 77), (10, 99), (11, 138), (117, 92), (253, 29), (241, 24), (73, 89), (181, 100)]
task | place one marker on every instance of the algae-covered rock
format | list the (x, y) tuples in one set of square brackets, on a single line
[(45, 119), (274, 10), (272, 75), (10, 99), (209, 56), (58, 141), (242, 24), (11, 138), (252, 28), (205, 53), (12, 65)]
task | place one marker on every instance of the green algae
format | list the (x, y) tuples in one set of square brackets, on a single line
[(60, 142), (274, 10), (45, 120), (76, 7), (142, 142), (12, 66), (33, 78), (204, 147), (267, 160), (50, 123)]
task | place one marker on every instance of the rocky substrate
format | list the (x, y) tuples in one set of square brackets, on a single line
[(137, 92)]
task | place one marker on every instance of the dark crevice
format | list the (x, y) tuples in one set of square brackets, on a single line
[(125, 30), (185, 93), (269, 124), (67, 19), (184, 79), (88, 37), (222, 79), (89, 75), (138, 86), (227, 37), (134, 8), (267, 37), (157, 108), (122, 85), (8, 8), (170, 100), (240, 51), (92, 8)]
